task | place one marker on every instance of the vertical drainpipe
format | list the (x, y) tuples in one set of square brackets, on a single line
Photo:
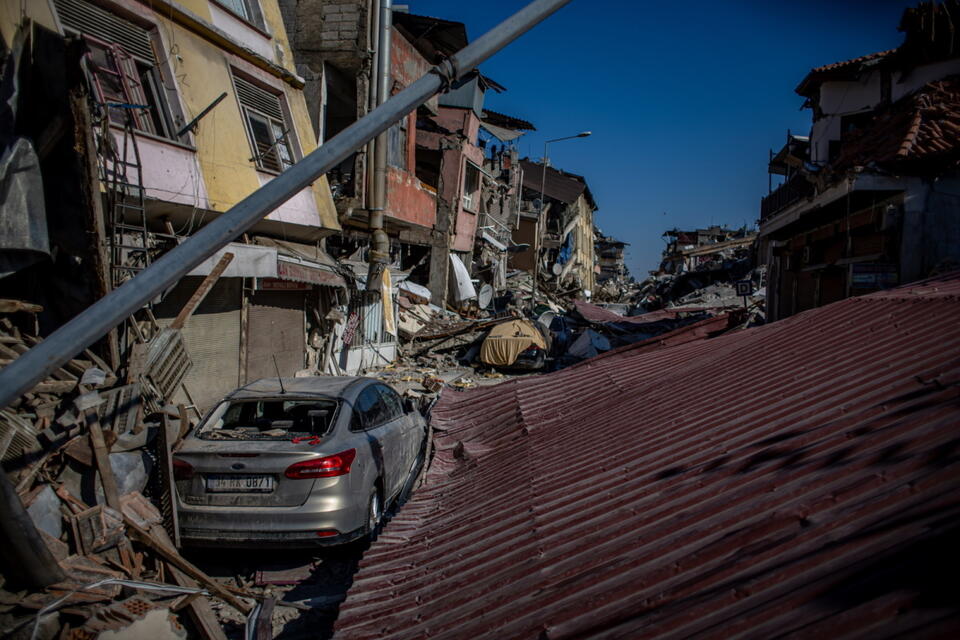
[(380, 243), (373, 26)]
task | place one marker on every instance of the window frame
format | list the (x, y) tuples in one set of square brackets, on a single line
[(255, 17), (278, 143), (130, 71)]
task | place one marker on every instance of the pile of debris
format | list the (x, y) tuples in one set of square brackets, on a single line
[(89, 514)]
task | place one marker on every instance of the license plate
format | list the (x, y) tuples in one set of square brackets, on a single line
[(240, 484)]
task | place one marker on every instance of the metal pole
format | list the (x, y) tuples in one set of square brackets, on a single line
[(26, 371), (536, 251)]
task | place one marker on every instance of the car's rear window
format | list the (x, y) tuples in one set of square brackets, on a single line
[(270, 419)]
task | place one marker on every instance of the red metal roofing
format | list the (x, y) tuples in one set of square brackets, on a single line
[(796, 479)]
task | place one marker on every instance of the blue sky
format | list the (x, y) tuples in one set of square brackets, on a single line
[(684, 99)]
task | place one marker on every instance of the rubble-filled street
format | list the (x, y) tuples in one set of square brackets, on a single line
[(299, 339)]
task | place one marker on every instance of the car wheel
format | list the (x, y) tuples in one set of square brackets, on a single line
[(374, 514)]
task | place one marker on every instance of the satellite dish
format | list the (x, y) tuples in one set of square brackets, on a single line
[(485, 297), (557, 268)]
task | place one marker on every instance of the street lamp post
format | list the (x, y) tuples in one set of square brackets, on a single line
[(543, 182)]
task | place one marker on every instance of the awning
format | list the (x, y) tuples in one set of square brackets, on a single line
[(249, 261), (501, 133), (298, 270)]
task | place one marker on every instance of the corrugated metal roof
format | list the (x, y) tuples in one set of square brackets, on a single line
[(795, 479)]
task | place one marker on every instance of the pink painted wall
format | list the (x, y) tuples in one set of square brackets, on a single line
[(407, 199), (466, 122), (170, 172)]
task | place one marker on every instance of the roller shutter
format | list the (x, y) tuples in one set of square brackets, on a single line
[(275, 328), (212, 337)]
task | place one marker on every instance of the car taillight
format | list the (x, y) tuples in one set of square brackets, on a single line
[(327, 467), (182, 470), (532, 348)]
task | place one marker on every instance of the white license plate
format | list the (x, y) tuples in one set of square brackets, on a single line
[(240, 484)]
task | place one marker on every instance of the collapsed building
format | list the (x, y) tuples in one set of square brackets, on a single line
[(869, 198), (555, 229)]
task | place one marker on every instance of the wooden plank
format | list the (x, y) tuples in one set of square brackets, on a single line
[(264, 626), (166, 551), (198, 608), (14, 306), (107, 479), (201, 292)]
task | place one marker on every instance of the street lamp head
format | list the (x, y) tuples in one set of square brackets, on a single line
[(584, 134)]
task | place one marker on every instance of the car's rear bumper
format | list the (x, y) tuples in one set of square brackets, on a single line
[(232, 526)]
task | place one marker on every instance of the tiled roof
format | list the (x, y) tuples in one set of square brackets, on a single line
[(924, 126), (837, 69), (853, 63), (796, 479)]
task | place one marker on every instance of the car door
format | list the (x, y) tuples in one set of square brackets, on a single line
[(377, 421), (405, 428), (393, 436)]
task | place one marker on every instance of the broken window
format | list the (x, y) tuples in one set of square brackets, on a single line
[(266, 126), (248, 10), (397, 145), (123, 66), (428, 167), (471, 187)]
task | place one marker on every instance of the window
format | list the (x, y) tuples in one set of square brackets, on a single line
[(369, 411), (266, 126), (248, 10), (471, 188), (397, 144), (392, 401), (123, 67), (270, 419)]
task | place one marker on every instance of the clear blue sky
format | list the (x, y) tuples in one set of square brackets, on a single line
[(684, 99)]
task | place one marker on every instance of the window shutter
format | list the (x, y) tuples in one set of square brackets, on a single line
[(91, 20), (253, 97)]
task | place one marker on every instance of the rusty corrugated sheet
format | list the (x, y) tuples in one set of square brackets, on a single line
[(797, 479)]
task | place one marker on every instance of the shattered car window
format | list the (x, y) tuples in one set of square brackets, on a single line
[(269, 419)]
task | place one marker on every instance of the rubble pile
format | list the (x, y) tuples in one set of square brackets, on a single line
[(87, 455)]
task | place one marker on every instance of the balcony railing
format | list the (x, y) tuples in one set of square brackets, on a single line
[(794, 189)]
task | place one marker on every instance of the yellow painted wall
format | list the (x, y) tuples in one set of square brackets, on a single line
[(11, 14), (584, 245), (202, 72)]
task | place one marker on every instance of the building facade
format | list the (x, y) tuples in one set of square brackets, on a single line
[(869, 199)]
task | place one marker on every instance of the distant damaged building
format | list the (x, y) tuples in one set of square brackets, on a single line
[(556, 221), (869, 199)]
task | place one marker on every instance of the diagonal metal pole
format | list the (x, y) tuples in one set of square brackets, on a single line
[(23, 373)]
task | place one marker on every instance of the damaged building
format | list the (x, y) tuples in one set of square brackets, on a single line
[(180, 114), (868, 199), (556, 224)]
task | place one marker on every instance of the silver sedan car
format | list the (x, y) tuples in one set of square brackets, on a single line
[(296, 462)]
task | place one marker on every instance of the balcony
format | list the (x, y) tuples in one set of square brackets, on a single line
[(794, 189)]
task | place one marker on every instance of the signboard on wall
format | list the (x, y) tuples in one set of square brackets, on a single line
[(276, 284), (872, 276)]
